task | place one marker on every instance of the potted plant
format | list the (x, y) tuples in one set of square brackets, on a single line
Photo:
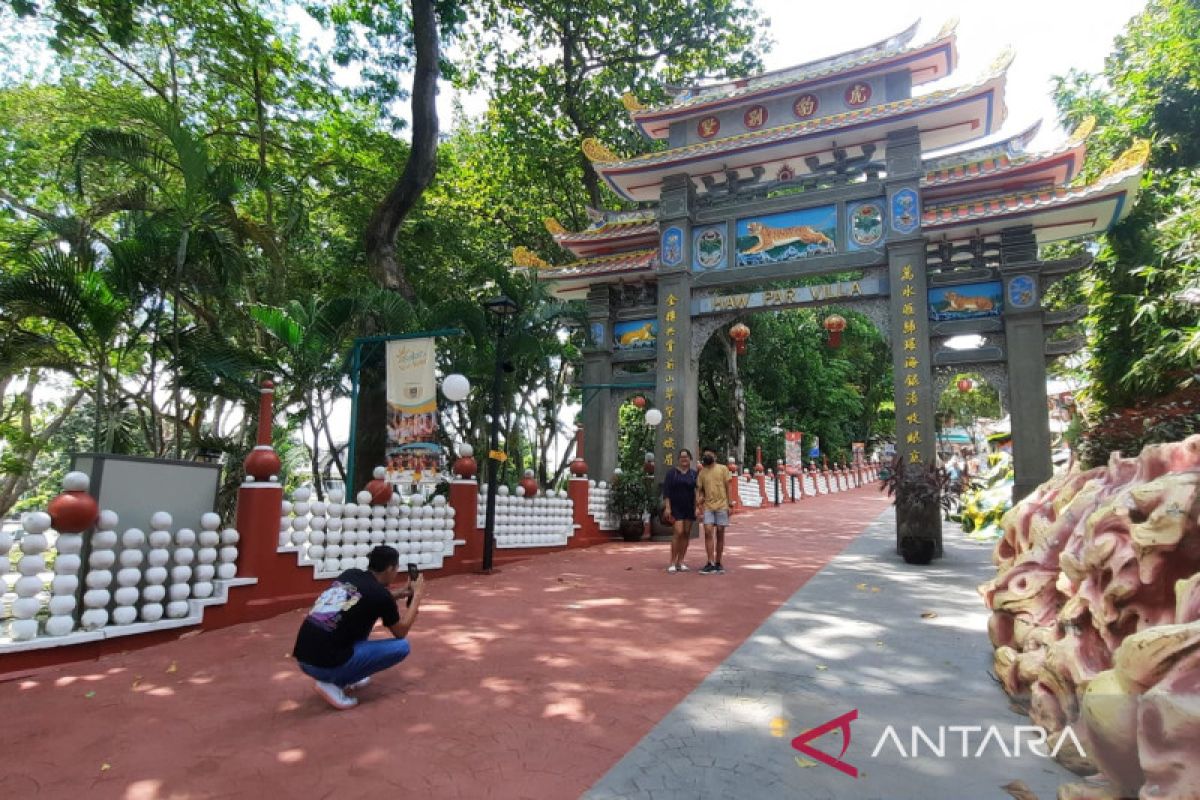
[(629, 500), (922, 493)]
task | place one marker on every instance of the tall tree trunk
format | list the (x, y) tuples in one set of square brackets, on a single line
[(380, 238)]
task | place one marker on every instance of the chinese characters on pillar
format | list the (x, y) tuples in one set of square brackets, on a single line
[(669, 371), (910, 375)]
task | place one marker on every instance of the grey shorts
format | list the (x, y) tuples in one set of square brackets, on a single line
[(716, 517)]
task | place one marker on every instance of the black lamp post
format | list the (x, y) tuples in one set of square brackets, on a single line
[(503, 309)]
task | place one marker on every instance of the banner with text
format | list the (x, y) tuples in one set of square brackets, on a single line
[(411, 407), (793, 452)]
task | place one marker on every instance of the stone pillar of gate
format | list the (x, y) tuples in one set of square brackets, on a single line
[(677, 370), (1025, 348), (909, 307), (599, 421)]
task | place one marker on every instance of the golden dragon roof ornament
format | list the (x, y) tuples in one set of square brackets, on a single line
[(527, 259), (631, 102), (555, 227), (598, 152), (948, 27), (1082, 131), (1133, 158)]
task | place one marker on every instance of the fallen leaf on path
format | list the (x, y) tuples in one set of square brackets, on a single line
[(804, 763), (628, 568), (90, 694), (879, 644), (1019, 791), (174, 666), (105, 767), (862, 587), (928, 614), (874, 588), (821, 668)]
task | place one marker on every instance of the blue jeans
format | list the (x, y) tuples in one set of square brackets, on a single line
[(370, 656)]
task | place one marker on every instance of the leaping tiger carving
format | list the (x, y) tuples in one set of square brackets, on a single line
[(770, 238)]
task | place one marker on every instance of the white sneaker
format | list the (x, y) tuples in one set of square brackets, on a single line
[(334, 695), (358, 684), (672, 568), (683, 568)]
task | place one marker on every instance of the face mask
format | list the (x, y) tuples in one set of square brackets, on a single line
[(708, 460)]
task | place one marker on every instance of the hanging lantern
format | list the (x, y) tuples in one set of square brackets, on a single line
[(639, 401), (739, 333), (835, 324), (965, 385)]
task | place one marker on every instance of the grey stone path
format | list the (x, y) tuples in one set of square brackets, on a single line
[(852, 638)]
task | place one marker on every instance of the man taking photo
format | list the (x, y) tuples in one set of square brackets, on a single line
[(332, 646)]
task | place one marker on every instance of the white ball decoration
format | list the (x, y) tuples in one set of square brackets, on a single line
[(36, 522), (455, 387), (98, 579), (302, 494), (160, 520), (337, 495), (653, 417), (210, 521), (465, 450)]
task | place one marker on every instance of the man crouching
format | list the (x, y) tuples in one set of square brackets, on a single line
[(332, 646)]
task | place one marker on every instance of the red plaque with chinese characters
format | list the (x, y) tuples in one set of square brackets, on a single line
[(857, 94), (755, 117), (805, 106), (708, 127)]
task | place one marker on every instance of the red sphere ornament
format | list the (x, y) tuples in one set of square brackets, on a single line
[(835, 324), (465, 467), (639, 401), (739, 333), (262, 462), (73, 512), (381, 491), (965, 385), (529, 484)]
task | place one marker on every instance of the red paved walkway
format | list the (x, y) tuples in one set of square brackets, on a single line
[(526, 684)]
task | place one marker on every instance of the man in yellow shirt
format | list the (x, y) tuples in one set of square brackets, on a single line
[(712, 492)]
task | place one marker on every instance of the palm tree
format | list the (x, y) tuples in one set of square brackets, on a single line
[(175, 187)]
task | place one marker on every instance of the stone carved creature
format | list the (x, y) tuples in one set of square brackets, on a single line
[(1096, 619)]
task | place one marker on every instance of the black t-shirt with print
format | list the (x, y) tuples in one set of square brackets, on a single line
[(343, 615)]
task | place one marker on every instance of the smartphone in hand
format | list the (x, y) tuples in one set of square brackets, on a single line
[(413, 574)]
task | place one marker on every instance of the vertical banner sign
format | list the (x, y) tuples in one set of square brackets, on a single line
[(815, 451), (793, 451), (411, 406), (860, 452)]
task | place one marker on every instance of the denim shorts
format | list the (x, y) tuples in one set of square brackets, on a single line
[(716, 517)]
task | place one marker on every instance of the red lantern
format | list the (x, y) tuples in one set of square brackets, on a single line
[(739, 333), (835, 324), (965, 385), (639, 401)]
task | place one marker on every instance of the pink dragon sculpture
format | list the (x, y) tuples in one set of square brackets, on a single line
[(1096, 620)]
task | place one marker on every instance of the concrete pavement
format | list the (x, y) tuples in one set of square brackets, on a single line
[(851, 639)]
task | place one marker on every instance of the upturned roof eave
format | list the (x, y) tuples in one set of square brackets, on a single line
[(651, 120)]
